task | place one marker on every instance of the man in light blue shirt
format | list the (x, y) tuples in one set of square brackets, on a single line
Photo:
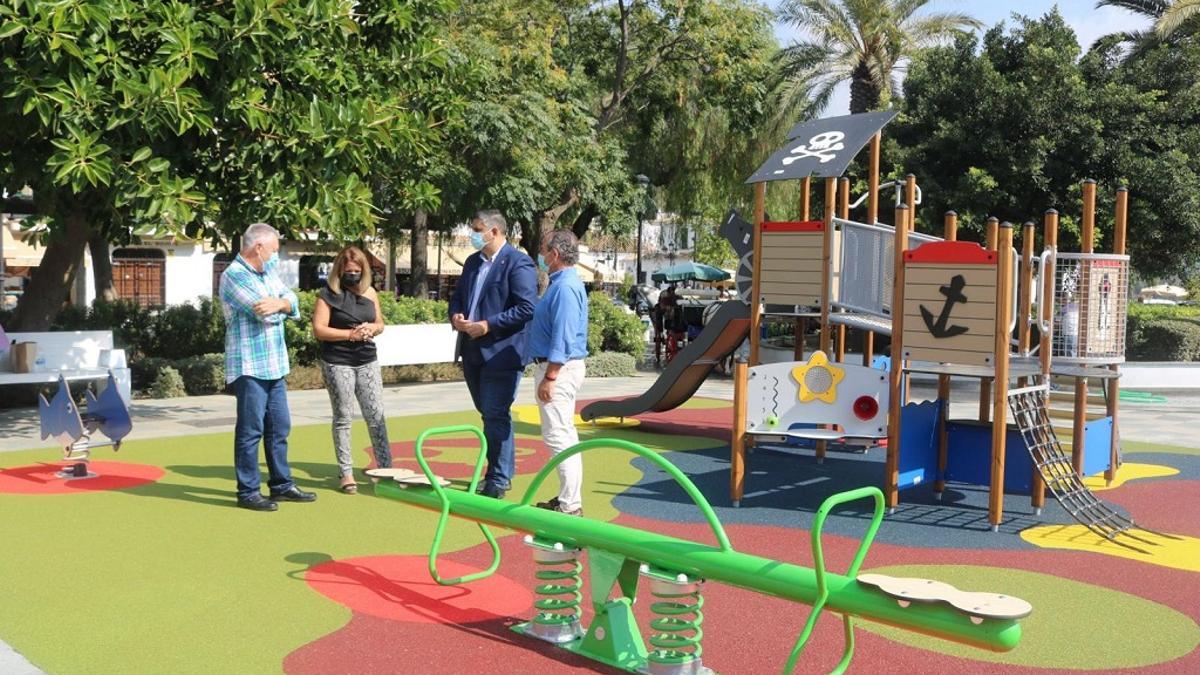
[(558, 345)]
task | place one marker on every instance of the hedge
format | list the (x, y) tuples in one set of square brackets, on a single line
[(612, 330)]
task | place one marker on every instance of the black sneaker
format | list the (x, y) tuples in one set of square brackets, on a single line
[(554, 505), (293, 494), (258, 502), (490, 490)]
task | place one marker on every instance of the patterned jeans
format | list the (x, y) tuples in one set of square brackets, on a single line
[(346, 383)]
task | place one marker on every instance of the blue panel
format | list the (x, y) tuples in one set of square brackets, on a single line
[(918, 442), (969, 456), (1097, 446), (794, 442)]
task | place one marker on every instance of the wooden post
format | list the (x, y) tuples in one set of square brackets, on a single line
[(1120, 224), (868, 348), (985, 384), (844, 214), (826, 279), (799, 328), (1024, 333), (891, 474), (950, 233), (873, 180), (737, 457), (1045, 347), (1004, 288), (827, 260), (910, 198), (1087, 238), (760, 207), (800, 325), (805, 197)]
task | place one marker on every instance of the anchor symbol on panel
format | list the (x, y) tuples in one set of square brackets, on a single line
[(824, 146), (954, 294)]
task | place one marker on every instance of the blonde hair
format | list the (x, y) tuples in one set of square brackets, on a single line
[(348, 255)]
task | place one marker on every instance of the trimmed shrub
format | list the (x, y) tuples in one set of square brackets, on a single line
[(202, 375), (611, 364), (305, 377), (183, 331), (144, 370), (612, 330), (169, 384), (1164, 340)]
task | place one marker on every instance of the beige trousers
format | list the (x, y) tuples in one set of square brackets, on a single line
[(558, 428)]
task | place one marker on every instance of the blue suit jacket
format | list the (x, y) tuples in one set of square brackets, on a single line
[(509, 294)]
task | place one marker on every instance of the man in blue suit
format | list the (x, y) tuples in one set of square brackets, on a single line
[(491, 308)]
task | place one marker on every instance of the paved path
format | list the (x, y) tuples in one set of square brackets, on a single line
[(1170, 423)]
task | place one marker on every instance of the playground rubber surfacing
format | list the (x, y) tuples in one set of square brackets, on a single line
[(165, 574)]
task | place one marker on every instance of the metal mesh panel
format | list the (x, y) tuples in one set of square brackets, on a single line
[(1091, 297), (818, 380), (868, 266)]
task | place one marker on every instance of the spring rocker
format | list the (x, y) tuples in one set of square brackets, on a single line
[(73, 429), (676, 570)]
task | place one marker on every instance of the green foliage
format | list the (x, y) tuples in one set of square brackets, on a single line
[(202, 375), (1000, 127), (1164, 340), (303, 348), (404, 311), (181, 331), (612, 330), (563, 113), (144, 371), (611, 364), (169, 115), (168, 384)]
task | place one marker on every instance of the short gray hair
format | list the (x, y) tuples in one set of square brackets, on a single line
[(492, 218), (258, 233), (567, 245)]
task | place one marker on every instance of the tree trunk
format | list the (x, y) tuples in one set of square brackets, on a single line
[(547, 220), (418, 283), (584, 221), (102, 272), (864, 91), (52, 281)]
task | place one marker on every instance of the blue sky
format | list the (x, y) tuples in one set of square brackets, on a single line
[(1088, 21)]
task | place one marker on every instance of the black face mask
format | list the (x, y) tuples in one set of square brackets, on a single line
[(351, 278)]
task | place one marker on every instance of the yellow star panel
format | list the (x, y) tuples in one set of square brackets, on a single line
[(818, 379)]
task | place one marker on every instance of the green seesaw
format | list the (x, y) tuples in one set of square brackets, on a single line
[(677, 569)]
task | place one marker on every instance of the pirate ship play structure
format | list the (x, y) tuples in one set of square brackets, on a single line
[(951, 308)]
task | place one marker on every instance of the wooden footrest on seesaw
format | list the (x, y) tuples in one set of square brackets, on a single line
[(978, 605), (405, 476)]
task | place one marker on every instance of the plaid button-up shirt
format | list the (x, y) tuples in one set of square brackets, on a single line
[(254, 345)]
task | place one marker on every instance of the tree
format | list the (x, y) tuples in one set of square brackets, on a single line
[(569, 94), (863, 41), (1004, 127), (1171, 20), (164, 117)]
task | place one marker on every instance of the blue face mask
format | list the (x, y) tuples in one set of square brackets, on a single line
[(271, 263), (477, 240), (542, 263)]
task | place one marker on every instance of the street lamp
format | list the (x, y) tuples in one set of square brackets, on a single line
[(644, 183)]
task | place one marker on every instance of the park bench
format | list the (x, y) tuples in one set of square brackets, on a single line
[(72, 355)]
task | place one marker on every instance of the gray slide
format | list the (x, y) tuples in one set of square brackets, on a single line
[(726, 330)]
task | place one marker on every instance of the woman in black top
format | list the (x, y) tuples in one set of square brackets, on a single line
[(346, 320)]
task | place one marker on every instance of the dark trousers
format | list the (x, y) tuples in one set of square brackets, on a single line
[(493, 392), (262, 415)]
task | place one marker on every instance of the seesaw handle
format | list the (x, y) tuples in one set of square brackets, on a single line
[(444, 516)]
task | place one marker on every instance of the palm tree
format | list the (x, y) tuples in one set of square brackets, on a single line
[(1172, 20), (863, 41), (1181, 13)]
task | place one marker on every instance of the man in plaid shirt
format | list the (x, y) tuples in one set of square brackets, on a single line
[(256, 361)]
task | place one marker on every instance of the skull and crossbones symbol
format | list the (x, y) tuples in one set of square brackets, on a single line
[(823, 146)]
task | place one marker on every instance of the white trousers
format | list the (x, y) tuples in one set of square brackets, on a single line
[(558, 428)]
